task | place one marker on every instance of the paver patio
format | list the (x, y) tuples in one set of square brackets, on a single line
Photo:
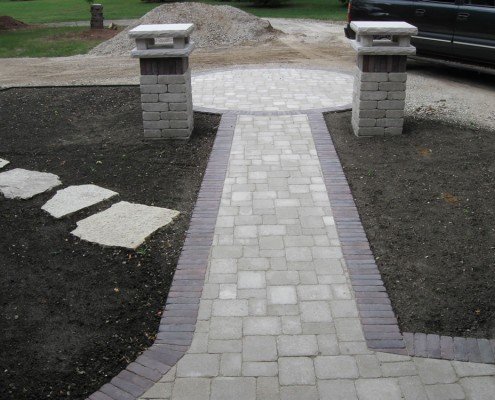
[(278, 316)]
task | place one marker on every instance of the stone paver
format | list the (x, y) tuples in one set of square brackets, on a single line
[(74, 198), (3, 163), (21, 183), (279, 317), (124, 224), (271, 89)]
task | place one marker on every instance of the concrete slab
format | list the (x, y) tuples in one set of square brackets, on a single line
[(124, 224), (23, 184), (75, 198), (3, 163)]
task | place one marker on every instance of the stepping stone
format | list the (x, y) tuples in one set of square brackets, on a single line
[(124, 224), (3, 163), (75, 198), (23, 184)]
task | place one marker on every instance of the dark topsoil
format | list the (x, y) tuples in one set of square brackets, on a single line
[(427, 202), (72, 313), (8, 23)]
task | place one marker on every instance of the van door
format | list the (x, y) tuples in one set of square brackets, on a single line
[(435, 20), (474, 36)]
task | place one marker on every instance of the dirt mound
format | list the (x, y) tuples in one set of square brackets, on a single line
[(8, 23), (216, 26)]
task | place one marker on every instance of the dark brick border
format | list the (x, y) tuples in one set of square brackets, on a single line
[(180, 313), (380, 326)]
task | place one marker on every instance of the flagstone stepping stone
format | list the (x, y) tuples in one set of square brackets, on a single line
[(124, 224), (75, 198), (23, 184), (3, 163)]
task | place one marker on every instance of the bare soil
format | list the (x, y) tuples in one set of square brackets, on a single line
[(74, 314), (8, 23), (92, 34), (427, 202)]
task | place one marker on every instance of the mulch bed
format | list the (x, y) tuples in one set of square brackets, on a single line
[(72, 313), (427, 202)]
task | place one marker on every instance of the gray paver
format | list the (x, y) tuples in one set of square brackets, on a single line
[(260, 368), (378, 389), (435, 371), (233, 388), (267, 388), (445, 391), (259, 348), (299, 393), (262, 326), (479, 388), (335, 367), (191, 389), (337, 389), (282, 295), (297, 345), (198, 365), (231, 364), (296, 371)]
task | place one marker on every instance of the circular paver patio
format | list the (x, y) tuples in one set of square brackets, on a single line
[(271, 90)]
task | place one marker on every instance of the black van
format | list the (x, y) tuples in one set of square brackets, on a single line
[(454, 29)]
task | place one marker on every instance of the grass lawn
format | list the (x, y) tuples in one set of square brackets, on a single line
[(47, 42), (41, 11)]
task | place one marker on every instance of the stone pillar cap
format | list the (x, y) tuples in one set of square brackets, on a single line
[(383, 49), (396, 28), (150, 31), (163, 51)]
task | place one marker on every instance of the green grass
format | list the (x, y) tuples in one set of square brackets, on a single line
[(40, 11), (45, 42)]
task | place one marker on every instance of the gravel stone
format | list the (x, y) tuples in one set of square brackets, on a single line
[(215, 26)]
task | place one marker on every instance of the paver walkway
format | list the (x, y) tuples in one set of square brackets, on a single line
[(277, 316)]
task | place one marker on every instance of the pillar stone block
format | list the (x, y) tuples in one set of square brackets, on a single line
[(379, 91), (166, 93)]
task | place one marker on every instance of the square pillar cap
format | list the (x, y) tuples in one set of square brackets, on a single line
[(166, 51), (149, 31), (395, 28)]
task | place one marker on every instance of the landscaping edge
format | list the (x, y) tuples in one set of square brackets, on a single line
[(380, 325), (179, 316)]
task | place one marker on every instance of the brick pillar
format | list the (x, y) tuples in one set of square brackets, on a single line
[(380, 79), (379, 95), (166, 92), (96, 16)]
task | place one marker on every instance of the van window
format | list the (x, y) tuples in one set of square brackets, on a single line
[(485, 3)]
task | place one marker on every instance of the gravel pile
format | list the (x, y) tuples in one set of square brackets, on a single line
[(216, 26)]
